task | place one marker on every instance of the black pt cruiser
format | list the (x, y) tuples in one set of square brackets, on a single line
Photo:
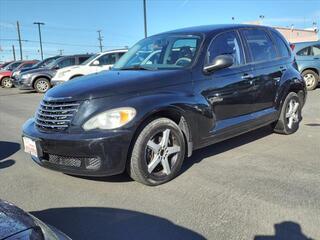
[(168, 95)]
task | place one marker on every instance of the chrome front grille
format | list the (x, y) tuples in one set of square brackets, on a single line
[(55, 115)]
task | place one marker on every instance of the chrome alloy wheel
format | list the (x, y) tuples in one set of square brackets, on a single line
[(292, 113), (309, 79), (42, 85), (162, 153), (7, 82)]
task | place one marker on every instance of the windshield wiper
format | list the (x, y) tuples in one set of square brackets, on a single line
[(136, 67)]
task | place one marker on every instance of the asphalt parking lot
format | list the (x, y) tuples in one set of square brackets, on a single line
[(259, 185)]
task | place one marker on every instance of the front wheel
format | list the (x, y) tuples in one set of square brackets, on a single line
[(158, 153), (290, 115), (7, 82), (42, 85)]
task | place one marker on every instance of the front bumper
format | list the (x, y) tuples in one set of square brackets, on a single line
[(100, 153), (22, 84), (55, 82)]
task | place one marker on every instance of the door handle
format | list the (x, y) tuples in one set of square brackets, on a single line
[(247, 76)]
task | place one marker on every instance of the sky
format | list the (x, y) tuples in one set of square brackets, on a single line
[(71, 25)]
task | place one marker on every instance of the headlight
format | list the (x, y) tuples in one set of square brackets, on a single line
[(63, 73), (110, 119), (26, 76)]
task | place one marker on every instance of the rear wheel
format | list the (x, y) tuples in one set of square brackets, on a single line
[(311, 79), (158, 153), (6, 82), (290, 115), (42, 85)]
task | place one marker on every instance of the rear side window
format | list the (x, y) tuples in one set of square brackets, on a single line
[(260, 45), (67, 62), (316, 50), (280, 44), (225, 44), (28, 65)]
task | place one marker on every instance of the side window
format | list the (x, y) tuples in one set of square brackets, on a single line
[(67, 62), (304, 52), (108, 59), (281, 46), (260, 45), (28, 65), (226, 43), (82, 59), (316, 50)]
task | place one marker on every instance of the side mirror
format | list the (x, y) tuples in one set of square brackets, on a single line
[(56, 67), (96, 63), (220, 62)]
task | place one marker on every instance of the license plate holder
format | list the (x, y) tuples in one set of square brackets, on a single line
[(30, 146)]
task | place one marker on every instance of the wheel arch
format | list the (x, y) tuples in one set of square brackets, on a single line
[(173, 113), (40, 76), (310, 68), (76, 75)]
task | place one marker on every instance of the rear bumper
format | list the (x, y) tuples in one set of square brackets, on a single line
[(87, 154)]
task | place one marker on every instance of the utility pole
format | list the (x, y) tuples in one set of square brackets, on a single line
[(14, 53), (19, 37), (145, 18), (100, 38), (39, 29), (60, 51)]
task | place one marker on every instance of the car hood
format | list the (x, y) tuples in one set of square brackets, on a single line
[(13, 220), (37, 70), (109, 83)]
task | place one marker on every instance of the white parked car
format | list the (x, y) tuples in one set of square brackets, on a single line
[(96, 63)]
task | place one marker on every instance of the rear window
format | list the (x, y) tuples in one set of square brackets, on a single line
[(281, 45), (260, 45)]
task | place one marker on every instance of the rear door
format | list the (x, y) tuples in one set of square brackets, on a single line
[(268, 67)]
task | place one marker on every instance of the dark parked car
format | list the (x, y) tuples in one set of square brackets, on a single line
[(42, 64), (308, 60), (17, 224), (202, 85), (39, 79)]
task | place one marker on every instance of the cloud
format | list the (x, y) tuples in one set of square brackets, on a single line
[(7, 25)]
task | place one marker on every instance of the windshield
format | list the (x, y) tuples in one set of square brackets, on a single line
[(44, 62), (90, 59), (53, 63), (165, 51), (12, 66)]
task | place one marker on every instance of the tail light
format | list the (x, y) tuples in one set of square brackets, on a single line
[(292, 46)]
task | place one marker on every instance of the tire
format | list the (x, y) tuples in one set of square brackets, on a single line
[(154, 160), (42, 85), (6, 82), (290, 115), (311, 79)]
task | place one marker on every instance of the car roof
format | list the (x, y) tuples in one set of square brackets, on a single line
[(114, 50), (207, 29), (301, 45)]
